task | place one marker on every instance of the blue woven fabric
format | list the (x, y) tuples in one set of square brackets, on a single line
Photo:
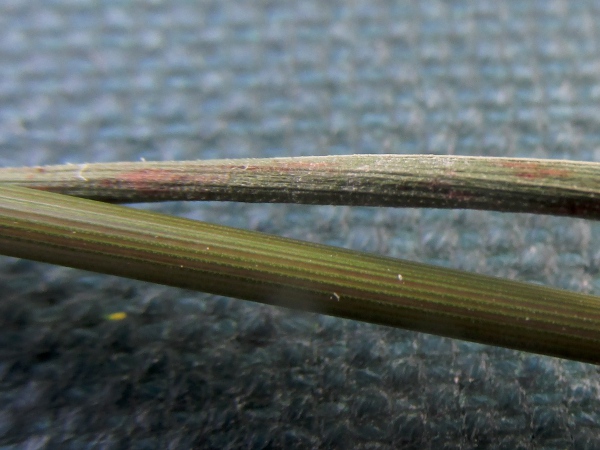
[(107, 81)]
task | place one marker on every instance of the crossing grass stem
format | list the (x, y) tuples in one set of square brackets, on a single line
[(112, 239)]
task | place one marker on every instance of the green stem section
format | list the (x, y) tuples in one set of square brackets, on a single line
[(502, 184), (148, 246)]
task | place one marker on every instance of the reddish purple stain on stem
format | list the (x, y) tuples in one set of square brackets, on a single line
[(152, 178), (532, 170)]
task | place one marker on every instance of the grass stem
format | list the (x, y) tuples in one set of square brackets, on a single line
[(143, 245), (502, 184)]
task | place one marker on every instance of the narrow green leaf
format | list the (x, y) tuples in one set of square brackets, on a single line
[(115, 240)]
